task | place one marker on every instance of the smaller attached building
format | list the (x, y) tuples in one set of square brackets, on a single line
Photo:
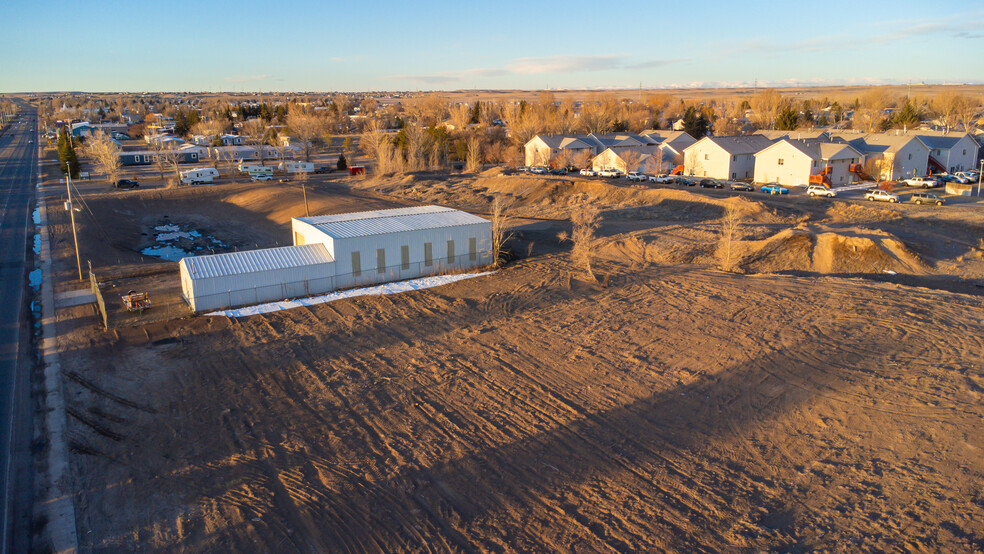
[(724, 157), (248, 277), (791, 162)]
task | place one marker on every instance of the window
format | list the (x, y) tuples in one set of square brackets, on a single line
[(734, 175), (404, 258), (380, 260), (705, 157), (910, 156), (428, 254), (356, 264), (472, 249), (136, 159), (780, 161), (734, 158), (965, 152), (451, 251)]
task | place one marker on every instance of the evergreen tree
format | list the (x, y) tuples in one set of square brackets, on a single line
[(476, 112), (695, 123), (788, 119), (822, 120), (906, 116), (342, 164), (68, 161)]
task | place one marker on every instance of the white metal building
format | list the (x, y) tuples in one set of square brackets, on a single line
[(339, 251), (248, 277), (402, 243)]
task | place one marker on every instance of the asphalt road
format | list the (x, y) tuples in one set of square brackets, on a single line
[(18, 165)]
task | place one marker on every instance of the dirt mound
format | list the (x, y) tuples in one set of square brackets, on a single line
[(821, 251), (842, 212)]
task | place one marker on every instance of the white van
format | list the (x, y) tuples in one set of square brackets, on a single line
[(296, 167), (199, 176)]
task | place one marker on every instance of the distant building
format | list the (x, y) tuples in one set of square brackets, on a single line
[(543, 150), (897, 156)]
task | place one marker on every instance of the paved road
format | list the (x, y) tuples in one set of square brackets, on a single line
[(18, 164)]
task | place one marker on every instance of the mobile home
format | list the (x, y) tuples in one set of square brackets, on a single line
[(199, 175), (296, 167)]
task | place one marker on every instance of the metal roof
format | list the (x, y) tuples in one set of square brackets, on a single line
[(255, 261), (397, 220)]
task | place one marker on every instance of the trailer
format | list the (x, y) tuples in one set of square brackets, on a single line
[(254, 170), (199, 176), (296, 167)]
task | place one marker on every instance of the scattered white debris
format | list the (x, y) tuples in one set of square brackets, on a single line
[(385, 288), (169, 253), (889, 271)]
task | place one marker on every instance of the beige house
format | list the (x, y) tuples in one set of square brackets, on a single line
[(543, 150), (791, 162), (724, 157)]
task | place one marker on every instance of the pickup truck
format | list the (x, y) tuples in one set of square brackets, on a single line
[(920, 181), (610, 173), (663, 179), (881, 196)]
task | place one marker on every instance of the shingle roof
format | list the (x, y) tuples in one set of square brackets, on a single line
[(745, 144), (397, 220), (255, 261)]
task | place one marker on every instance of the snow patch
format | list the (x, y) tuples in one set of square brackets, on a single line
[(169, 253), (385, 288), (37, 245), (36, 216), (34, 279)]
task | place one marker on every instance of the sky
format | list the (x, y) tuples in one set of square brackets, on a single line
[(302, 45)]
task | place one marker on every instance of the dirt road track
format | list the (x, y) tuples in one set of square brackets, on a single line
[(678, 408)]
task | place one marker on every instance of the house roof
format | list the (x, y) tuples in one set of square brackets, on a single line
[(817, 150), (256, 261), (677, 140), (798, 134), (397, 220), (745, 144), (877, 143)]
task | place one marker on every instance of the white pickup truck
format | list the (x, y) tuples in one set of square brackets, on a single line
[(920, 181)]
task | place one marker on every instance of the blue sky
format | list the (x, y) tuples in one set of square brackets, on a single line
[(382, 45)]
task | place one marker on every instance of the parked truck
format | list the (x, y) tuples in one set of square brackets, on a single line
[(199, 176)]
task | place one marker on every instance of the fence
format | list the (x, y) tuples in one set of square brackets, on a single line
[(94, 284), (368, 276)]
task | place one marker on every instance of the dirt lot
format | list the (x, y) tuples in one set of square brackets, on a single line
[(808, 401)]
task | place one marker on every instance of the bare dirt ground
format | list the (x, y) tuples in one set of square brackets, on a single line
[(809, 401)]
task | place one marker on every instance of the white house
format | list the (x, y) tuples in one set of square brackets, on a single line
[(791, 162), (542, 149), (724, 157)]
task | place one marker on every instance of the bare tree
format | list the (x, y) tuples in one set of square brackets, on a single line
[(473, 161), (460, 116), (730, 234), (255, 132), (947, 106), (632, 159), (159, 161), (584, 223), (416, 146), (105, 155), (767, 105), (172, 158), (583, 159), (305, 127), (867, 120), (501, 220)]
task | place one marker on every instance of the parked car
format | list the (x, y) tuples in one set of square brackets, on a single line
[(663, 179), (636, 176), (588, 172), (559, 171), (818, 190), (261, 177), (524, 169), (774, 189), (539, 170), (951, 178), (323, 169), (126, 184), (921, 181), (711, 184), (742, 186), (687, 181), (971, 176), (926, 198), (613, 173), (881, 196)]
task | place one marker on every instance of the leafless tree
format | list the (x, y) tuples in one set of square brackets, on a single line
[(584, 223), (255, 131), (473, 161), (172, 159), (460, 116), (105, 155), (767, 105), (731, 225), (947, 106), (158, 148), (867, 120), (583, 159), (632, 159), (305, 127), (501, 220)]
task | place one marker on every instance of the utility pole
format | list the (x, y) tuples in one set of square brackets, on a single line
[(979, 176), (71, 211)]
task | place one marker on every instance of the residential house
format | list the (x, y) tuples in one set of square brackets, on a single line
[(820, 135), (249, 153), (724, 157), (951, 152), (147, 157), (166, 141), (544, 150), (791, 162), (893, 156)]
